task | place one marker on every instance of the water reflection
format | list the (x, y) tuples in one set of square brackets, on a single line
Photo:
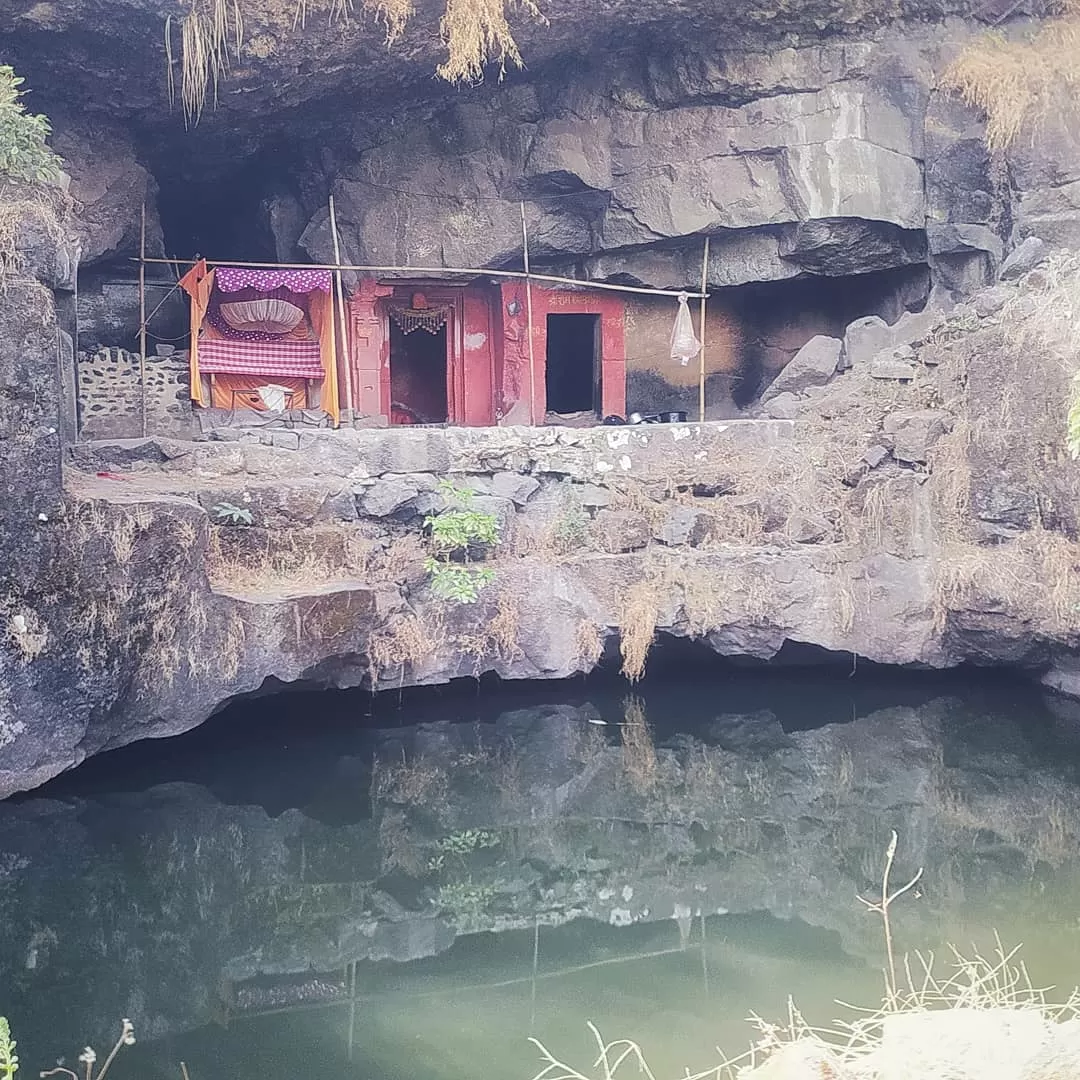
[(659, 864)]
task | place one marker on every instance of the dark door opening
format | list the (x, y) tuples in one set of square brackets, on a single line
[(418, 376), (573, 363)]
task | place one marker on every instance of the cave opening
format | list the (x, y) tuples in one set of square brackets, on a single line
[(235, 202), (573, 363), (777, 318)]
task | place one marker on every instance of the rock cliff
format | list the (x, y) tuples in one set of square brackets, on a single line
[(902, 495)]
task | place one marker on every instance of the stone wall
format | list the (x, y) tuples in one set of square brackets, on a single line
[(111, 398)]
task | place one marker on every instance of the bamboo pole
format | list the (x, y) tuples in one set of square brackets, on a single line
[(473, 271), (529, 318), (701, 354), (343, 328), (142, 316)]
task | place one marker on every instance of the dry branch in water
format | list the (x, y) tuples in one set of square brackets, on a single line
[(984, 1018)]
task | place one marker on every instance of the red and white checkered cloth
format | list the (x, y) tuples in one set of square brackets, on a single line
[(278, 359)]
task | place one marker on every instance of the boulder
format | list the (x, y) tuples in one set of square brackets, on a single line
[(683, 525), (864, 339), (808, 528), (896, 364), (875, 455), (1026, 256), (617, 531), (110, 186), (514, 486), (813, 365), (911, 434), (387, 495), (592, 495), (784, 406), (991, 301), (502, 510)]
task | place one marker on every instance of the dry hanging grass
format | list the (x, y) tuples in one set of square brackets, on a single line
[(637, 626), (393, 14), (206, 33), (406, 641), (1018, 83), (588, 643), (476, 33)]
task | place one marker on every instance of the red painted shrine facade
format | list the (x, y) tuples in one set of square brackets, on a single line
[(437, 352)]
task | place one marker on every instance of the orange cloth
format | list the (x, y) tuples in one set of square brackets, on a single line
[(321, 309), (198, 283), (241, 391)]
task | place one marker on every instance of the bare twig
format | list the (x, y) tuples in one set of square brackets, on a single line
[(882, 907)]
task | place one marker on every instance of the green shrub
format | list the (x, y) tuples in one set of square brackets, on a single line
[(23, 135), (453, 532)]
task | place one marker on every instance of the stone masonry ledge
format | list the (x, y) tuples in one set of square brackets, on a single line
[(644, 453)]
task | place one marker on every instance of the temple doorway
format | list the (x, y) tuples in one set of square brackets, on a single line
[(573, 364), (418, 375)]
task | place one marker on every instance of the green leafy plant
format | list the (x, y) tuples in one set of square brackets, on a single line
[(454, 531), (235, 515), (461, 584), (9, 1061), (24, 154), (459, 526)]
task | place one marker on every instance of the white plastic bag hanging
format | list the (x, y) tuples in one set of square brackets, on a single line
[(684, 343)]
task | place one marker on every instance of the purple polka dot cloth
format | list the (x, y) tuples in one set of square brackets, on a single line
[(234, 278)]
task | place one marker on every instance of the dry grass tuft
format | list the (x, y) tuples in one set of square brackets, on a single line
[(476, 33), (289, 560), (981, 1017), (497, 634), (405, 641), (637, 625), (233, 641), (22, 206), (588, 643), (504, 627), (1018, 83), (122, 538), (399, 849), (401, 557), (1034, 579), (393, 14)]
